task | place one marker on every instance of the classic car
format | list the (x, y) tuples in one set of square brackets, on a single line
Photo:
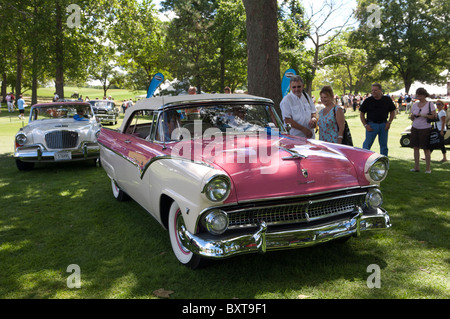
[(105, 110), (60, 131), (221, 173)]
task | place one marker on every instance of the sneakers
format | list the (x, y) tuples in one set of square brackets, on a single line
[(418, 170)]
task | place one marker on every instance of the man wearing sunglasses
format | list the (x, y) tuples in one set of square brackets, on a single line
[(298, 110)]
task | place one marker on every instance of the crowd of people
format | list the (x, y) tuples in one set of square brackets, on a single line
[(377, 112)]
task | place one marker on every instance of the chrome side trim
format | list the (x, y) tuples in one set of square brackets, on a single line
[(170, 157)]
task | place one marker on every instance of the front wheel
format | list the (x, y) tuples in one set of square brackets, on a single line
[(24, 166), (184, 255), (118, 194)]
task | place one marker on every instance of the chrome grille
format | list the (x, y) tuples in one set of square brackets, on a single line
[(61, 139), (296, 212)]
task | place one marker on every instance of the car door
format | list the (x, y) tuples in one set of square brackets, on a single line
[(137, 149)]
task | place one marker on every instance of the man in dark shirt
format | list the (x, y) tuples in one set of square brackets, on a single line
[(377, 108)]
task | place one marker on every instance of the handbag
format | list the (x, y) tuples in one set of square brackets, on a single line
[(434, 119), (347, 136), (436, 140)]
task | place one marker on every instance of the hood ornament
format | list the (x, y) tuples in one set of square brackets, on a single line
[(305, 172), (294, 154)]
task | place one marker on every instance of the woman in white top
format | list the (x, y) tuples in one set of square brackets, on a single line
[(441, 126)]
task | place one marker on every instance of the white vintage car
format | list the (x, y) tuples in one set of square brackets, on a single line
[(105, 110), (56, 132), (220, 172)]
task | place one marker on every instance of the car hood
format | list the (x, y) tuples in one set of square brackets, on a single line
[(62, 124), (276, 166)]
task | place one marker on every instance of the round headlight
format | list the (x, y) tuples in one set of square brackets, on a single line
[(374, 198), (217, 189), (21, 139), (377, 169), (216, 222)]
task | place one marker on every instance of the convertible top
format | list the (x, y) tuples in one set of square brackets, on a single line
[(156, 103)]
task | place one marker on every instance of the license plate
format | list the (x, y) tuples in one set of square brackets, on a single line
[(63, 156)]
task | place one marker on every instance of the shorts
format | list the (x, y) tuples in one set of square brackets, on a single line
[(21, 111), (420, 138)]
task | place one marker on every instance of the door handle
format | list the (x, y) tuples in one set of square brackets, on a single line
[(127, 141)]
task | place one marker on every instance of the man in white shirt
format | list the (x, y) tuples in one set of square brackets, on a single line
[(298, 110)]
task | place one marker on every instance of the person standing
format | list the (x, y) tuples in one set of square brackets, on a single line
[(9, 103), (373, 114), (420, 130), (441, 125), (331, 118), (21, 106), (298, 111)]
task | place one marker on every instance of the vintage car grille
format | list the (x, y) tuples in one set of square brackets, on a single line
[(61, 139), (305, 211)]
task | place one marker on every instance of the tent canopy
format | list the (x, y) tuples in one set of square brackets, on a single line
[(440, 90)]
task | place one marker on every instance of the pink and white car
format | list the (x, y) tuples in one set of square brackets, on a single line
[(221, 173)]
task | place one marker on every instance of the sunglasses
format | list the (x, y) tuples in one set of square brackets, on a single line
[(297, 87)]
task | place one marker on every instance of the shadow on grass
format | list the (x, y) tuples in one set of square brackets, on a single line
[(58, 215)]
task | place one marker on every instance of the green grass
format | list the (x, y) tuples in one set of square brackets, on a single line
[(58, 215)]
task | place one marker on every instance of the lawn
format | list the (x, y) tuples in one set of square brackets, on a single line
[(58, 215)]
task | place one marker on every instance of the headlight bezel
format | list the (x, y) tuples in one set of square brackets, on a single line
[(373, 172), (213, 218), (374, 198), (210, 188), (24, 139)]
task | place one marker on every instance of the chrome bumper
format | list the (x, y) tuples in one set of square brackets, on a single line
[(38, 153), (107, 117), (264, 239)]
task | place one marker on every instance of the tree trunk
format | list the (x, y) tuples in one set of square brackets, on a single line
[(59, 52), (19, 71), (4, 87), (262, 46)]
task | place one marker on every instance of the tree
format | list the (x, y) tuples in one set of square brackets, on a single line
[(138, 36), (291, 33), (103, 68), (262, 46), (191, 51), (229, 37), (411, 38), (322, 34)]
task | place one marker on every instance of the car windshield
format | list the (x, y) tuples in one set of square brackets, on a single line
[(58, 111), (102, 104), (228, 118)]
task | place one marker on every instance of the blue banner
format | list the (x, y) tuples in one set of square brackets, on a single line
[(285, 82), (158, 78)]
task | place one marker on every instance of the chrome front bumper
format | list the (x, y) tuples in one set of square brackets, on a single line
[(107, 117), (264, 239), (38, 153)]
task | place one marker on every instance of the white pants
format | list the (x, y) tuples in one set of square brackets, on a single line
[(10, 107)]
